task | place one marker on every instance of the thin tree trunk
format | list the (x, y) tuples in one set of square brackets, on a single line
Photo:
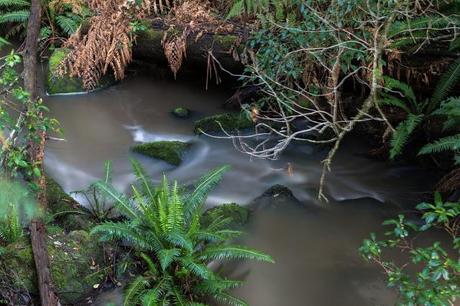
[(48, 296)]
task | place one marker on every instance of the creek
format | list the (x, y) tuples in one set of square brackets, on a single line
[(317, 262)]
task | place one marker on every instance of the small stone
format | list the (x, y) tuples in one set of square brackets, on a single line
[(181, 112)]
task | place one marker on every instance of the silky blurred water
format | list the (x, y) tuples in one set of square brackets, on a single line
[(316, 254)]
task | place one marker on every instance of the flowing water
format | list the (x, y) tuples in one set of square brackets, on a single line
[(316, 253)]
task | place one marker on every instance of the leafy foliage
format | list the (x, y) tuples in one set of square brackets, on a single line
[(20, 120), (165, 229), (437, 277)]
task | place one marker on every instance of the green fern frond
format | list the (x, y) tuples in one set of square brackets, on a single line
[(213, 286), (134, 291), (120, 200), (143, 179), (202, 188), (233, 252), (14, 17), (455, 44), (68, 23), (400, 88), (150, 263), (197, 269), (445, 84), (402, 133), (14, 3), (167, 256), (450, 143), (179, 240), (224, 297), (393, 101)]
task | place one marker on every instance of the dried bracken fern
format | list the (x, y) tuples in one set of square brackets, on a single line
[(175, 51), (107, 43)]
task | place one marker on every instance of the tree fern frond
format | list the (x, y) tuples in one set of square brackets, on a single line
[(450, 143), (402, 133), (232, 252), (445, 84)]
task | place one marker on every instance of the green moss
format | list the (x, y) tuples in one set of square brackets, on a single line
[(56, 84), (181, 112), (228, 121), (169, 151), (65, 211), (239, 215), (152, 35), (226, 41), (76, 263)]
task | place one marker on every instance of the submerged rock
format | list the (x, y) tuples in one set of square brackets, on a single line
[(238, 214), (76, 262), (230, 122), (181, 112), (274, 197), (169, 151), (56, 84)]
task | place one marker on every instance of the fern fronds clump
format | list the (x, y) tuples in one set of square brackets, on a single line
[(164, 227)]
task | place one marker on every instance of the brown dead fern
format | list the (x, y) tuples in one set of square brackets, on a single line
[(175, 50), (107, 42)]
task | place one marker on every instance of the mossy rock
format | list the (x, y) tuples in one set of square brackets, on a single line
[(56, 84), (181, 112), (169, 151), (66, 212), (76, 262), (230, 122), (239, 215)]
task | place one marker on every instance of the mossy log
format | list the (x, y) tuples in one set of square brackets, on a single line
[(149, 47), (229, 122), (61, 85)]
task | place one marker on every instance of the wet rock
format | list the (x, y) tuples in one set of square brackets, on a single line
[(181, 112), (169, 151), (274, 197), (230, 122), (56, 84), (239, 215)]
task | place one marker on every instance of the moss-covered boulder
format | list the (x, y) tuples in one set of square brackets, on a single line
[(169, 151), (239, 215), (66, 212), (76, 262), (181, 112), (56, 84), (230, 122)]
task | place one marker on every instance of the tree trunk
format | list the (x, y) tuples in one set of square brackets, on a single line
[(48, 296)]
